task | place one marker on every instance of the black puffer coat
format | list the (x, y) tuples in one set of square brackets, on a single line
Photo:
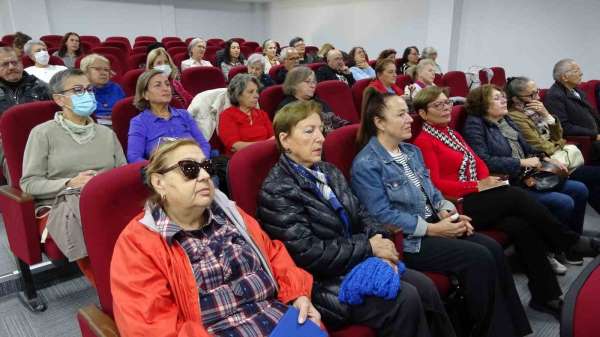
[(290, 211)]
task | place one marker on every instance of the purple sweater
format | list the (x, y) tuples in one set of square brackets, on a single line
[(146, 129)]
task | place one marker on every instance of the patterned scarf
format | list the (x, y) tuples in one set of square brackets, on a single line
[(81, 134), (468, 162), (321, 187)]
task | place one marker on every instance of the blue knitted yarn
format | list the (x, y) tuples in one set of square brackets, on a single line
[(372, 277)]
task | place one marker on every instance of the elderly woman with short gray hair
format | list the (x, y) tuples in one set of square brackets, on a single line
[(243, 123), (158, 119), (299, 85), (66, 152), (430, 53), (196, 50), (38, 53), (256, 68), (97, 69)]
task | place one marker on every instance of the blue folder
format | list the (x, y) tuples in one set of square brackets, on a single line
[(288, 326)]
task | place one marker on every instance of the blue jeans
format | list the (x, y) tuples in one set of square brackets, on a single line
[(567, 204)]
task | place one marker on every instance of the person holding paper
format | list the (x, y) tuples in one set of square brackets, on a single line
[(193, 264), (459, 173)]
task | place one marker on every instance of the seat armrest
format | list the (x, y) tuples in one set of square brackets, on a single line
[(15, 194), (18, 212), (97, 322), (399, 243), (584, 143)]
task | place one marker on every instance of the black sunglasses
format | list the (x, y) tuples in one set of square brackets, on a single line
[(191, 168)]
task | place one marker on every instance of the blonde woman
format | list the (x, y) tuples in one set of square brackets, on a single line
[(160, 60)]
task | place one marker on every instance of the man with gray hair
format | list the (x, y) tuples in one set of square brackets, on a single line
[(289, 58), (569, 104), (38, 53), (335, 69)]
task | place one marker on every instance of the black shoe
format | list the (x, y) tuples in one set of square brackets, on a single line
[(569, 258), (553, 307), (586, 246)]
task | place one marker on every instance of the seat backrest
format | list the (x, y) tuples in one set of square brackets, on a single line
[(180, 57), (315, 66), (122, 113), (198, 79), (543, 94), (499, 78), (173, 44), (311, 50), (589, 88), (340, 148), (459, 116), (129, 81), (357, 92), (581, 304), (15, 125), (403, 80), (215, 42), (338, 96), (125, 41), (91, 39), (274, 69), (111, 49), (108, 202), (236, 70), (170, 38), (270, 98), (27, 62), (250, 44), (239, 40), (136, 61), (177, 50), (211, 54), (8, 39), (53, 40), (145, 38), (457, 82), (244, 183)]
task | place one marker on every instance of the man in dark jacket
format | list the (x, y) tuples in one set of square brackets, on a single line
[(335, 69), (289, 58), (565, 100), (300, 46), (16, 86)]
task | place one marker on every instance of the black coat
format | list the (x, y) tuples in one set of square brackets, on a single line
[(326, 73), (577, 116), (290, 211), (29, 89)]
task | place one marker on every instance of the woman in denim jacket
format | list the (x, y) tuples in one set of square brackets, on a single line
[(391, 180)]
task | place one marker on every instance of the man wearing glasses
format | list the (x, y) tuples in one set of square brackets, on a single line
[(569, 103)]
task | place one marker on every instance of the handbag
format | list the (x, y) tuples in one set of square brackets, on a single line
[(549, 177), (570, 155)]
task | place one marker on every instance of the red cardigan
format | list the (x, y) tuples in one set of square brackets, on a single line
[(235, 126), (444, 162), (382, 89)]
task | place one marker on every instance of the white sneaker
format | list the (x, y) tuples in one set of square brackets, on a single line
[(557, 267)]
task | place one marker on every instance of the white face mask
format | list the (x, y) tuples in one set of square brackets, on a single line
[(42, 57), (164, 68)]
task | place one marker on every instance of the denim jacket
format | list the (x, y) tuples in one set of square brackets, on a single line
[(390, 197)]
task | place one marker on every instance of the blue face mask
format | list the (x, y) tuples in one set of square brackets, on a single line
[(84, 105)]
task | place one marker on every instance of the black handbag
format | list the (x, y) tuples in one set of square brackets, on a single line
[(549, 177)]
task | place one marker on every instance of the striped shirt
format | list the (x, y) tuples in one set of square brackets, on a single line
[(402, 159), (237, 296)]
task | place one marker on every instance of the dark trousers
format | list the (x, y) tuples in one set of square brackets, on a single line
[(590, 176), (417, 311), (532, 228), (493, 307)]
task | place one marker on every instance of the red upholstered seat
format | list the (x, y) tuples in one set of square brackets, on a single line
[(315, 66), (237, 70), (170, 38), (198, 79), (274, 69), (173, 44), (8, 39), (582, 304), (438, 79), (215, 42), (91, 39), (177, 50), (270, 98), (589, 88), (117, 66), (52, 40), (141, 48), (245, 184), (17, 208), (145, 38), (108, 48), (180, 57), (311, 50), (499, 77), (123, 46), (136, 61), (129, 81), (247, 51), (338, 96), (457, 82), (239, 40), (357, 93), (251, 45), (122, 39), (27, 62), (403, 80)]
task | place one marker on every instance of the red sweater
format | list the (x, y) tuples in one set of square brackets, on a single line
[(382, 89), (444, 162), (235, 126)]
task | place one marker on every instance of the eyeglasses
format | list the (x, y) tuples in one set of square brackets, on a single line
[(7, 64), (191, 168), (80, 90), (101, 69), (532, 95), (440, 104)]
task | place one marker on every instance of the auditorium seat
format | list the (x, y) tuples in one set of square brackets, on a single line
[(457, 82), (246, 51), (357, 93), (239, 40), (198, 79), (108, 202), (136, 61), (180, 57), (121, 45), (27, 62), (140, 49), (8, 39), (315, 66), (52, 40), (215, 42), (173, 44), (110, 48), (589, 88), (251, 45), (237, 70), (270, 98), (274, 69), (145, 38), (311, 50), (17, 208), (120, 39), (177, 50), (438, 80), (338, 96), (129, 80), (582, 303), (91, 39), (170, 38), (211, 54), (403, 80), (498, 77)]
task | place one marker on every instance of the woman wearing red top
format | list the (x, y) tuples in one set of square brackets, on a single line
[(243, 124), (457, 171), (385, 81)]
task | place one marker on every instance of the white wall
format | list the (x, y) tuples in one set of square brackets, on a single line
[(528, 37)]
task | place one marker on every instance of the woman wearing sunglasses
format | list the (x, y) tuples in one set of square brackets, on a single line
[(459, 173), (158, 118), (193, 264), (66, 152)]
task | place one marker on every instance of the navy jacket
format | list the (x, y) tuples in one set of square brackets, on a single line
[(577, 116), (489, 144)]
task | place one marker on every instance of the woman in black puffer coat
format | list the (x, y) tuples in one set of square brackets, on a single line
[(327, 232)]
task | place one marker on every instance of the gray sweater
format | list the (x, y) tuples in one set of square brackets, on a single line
[(52, 157)]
